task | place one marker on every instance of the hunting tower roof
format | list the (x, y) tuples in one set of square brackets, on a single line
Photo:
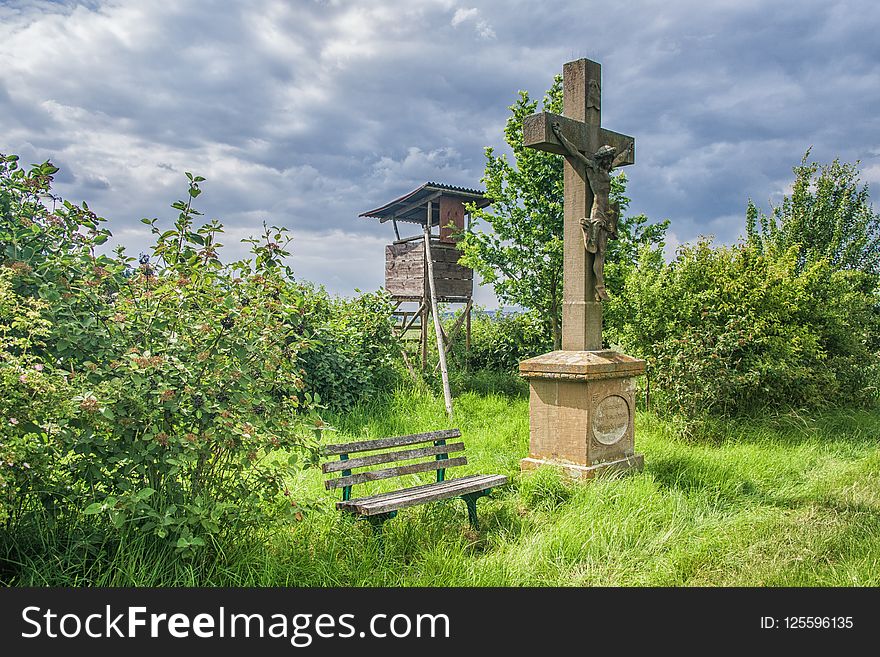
[(413, 207)]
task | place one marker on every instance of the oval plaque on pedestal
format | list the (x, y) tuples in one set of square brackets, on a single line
[(611, 419)]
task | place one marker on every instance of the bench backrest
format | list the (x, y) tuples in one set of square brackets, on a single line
[(386, 452)]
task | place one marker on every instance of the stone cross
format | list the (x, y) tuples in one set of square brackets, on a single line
[(581, 126)]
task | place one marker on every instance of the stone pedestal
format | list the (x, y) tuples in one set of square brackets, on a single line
[(582, 411)]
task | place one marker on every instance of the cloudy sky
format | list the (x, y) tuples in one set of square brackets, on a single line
[(305, 113)]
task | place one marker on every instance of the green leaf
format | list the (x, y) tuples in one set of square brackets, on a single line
[(211, 526), (144, 493), (93, 508)]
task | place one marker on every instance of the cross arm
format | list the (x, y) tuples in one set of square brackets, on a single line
[(538, 134)]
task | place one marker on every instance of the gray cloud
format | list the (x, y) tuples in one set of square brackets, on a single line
[(307, 113)]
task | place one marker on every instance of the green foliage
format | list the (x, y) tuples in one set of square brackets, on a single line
[(353, 350), (167, 394), (730, 330), (828, 215), (521, 253), (31, 395), (500, 342)]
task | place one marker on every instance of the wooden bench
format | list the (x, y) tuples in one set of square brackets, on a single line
[(379, 508)]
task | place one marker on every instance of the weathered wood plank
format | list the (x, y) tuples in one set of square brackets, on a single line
[(441, 254), (394, 275), (376, 475), (390, 457), (415, 317), (395, 441), (449, 288), (440, 268), (422, 494), (414, 251), (411, 245), (407, 289), (412, 278), (407, 261), (446, 287), (403, 262), (408, 239), (452, 484)]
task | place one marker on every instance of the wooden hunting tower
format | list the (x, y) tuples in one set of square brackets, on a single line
[(406, 266)]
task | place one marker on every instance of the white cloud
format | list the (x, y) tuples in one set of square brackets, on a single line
[(482, 26), (461, 15), (307, 113)]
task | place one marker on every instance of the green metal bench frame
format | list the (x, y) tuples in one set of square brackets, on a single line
[(379, 508)]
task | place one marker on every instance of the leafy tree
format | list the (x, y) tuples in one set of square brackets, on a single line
[(828, 215), (521, 256)]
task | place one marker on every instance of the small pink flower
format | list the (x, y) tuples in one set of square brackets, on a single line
[(13, 421), (38, 367), (23, 378)]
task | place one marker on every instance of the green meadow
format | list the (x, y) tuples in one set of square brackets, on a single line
[(783, 501)]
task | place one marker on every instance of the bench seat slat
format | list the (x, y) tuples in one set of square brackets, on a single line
[(385, 502), (396, 441), (376, 475), (450, 485), (389, 457)]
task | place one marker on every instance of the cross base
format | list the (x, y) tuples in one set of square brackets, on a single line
[(575, 471), (582, 411)]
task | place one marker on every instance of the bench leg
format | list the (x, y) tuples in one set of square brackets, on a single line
[(471, 500), (377, 521)]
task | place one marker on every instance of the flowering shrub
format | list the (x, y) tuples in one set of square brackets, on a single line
[(164, 394), (32, 394)]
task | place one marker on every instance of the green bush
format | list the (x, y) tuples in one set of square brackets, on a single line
[(31, 394), (730, 330), (499, 343), (353, 352), (167, 394)]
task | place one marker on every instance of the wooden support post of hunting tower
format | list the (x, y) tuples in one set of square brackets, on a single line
[(438, 329), (423, 340)]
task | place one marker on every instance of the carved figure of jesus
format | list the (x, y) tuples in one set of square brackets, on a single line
[(602, 222)]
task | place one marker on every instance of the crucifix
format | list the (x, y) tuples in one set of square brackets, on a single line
[(590, 219), (582, 398)]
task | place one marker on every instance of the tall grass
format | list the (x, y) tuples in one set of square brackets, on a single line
[(784, 501)]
